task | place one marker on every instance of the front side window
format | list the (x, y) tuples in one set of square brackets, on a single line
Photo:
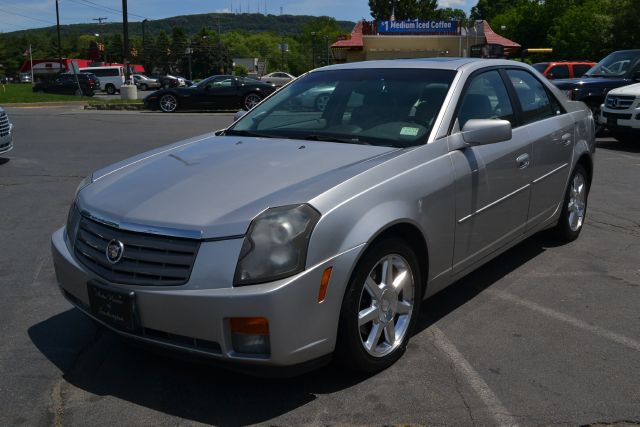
[(486, 97), (559, 72), (580, 69), (391, 107), (532, 96)]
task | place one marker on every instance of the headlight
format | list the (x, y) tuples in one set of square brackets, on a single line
[(276, 244), (86, 181)]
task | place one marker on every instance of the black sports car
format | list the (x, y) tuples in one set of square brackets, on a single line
[(215, 92)]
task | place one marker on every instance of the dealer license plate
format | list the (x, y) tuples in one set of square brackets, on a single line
[(115, 307)]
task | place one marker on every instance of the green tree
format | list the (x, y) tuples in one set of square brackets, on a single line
[(403, 9), (161, 53), (114, 48)]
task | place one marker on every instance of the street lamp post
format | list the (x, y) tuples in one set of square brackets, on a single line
[(144, 44), (125, 31), (58, 30)]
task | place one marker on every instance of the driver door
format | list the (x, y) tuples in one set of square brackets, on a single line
[(493, 180), (221, 92)]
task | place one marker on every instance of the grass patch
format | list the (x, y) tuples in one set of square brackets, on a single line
[(22, 93), (16, 92)]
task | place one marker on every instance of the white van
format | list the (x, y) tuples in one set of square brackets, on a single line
[(111, 77)]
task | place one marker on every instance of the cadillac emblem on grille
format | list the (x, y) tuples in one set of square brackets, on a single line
[(114, 251)]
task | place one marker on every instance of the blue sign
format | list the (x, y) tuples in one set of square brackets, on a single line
[(417, 26)]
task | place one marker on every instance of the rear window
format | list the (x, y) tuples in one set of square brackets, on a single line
[(580, 69), (559, 72), (541, 66), (105, 72)]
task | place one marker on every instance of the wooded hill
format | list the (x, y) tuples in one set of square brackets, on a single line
[(191, 24)]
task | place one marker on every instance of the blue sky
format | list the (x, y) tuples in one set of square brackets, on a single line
[(22, 14)]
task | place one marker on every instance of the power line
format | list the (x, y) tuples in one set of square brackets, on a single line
[(100, 19), (114, 11), (26, 16)]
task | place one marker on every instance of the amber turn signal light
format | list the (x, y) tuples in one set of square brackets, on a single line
[(324, 284)]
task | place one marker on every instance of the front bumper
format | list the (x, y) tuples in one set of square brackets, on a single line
[(6, 141), (195, 317), (621, 120)]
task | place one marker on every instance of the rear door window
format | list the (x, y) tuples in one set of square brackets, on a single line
[(580, 69), (532, 96)]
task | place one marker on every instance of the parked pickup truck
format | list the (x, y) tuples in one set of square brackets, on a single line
[(620, 113), (620, 68)]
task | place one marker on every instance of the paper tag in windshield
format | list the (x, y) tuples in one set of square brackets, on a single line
[(409, 131)]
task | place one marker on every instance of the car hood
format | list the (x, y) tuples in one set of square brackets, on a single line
[(212, 186), (631, 90), (588, 82)]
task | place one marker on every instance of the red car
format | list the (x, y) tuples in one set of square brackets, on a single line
[(564, 69)]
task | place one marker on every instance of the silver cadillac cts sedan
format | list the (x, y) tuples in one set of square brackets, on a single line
[(297, 234)]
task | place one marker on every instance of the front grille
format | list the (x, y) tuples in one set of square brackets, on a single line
[(4, 125), (147, 259), (616, 115), (619, 102)]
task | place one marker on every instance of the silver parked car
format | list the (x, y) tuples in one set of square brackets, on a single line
[(145, 83), (6, 137), (278, 78), (298, 234)]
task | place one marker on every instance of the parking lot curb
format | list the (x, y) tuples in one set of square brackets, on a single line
[(117, 107)]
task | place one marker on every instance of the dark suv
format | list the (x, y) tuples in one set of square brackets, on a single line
[(66, 83), (617, 69)]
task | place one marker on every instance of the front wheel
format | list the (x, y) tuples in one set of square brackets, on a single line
[(143, 87), (380, 307), (574, 209), (168, 103), (251, 100)]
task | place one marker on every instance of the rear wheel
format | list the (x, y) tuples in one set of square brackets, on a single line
[(574, 209), (168, 103), (111, 89), (380, 307), (251, 100), (78, 92)]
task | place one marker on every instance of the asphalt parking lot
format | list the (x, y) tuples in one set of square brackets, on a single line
[(542, 335)]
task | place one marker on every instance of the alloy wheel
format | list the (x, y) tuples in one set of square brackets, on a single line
[(577, 202), (386, 305), (168, 103), (251, 101)]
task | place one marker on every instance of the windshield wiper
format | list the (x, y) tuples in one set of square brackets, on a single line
[(233, 132), (329, 138)]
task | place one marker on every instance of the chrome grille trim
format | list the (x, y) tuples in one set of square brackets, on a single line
[(148, 259), (4, 124), (619, 102)]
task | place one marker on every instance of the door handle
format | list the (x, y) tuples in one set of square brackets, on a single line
[(566, 139), (522, 161)]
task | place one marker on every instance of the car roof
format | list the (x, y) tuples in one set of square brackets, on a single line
[(448, 63)]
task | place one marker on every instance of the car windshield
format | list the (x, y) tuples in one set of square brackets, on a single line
[(615, 65), (390, 107)]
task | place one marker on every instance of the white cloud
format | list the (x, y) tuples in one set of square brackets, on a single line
[(459, 4)]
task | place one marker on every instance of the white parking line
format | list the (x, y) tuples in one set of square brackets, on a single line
[(604, 333), (500, 414)]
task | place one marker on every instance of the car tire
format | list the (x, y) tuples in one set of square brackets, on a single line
[(376, 320), (143, 87), (321, 102), (110, 89), (78, 92), (574, 207), (168, 103), (250, 100)]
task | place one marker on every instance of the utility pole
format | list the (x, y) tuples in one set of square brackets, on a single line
[(58, 29), (125, 31), (144, 45), (100, 19)]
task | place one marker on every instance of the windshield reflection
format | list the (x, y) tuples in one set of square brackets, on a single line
[(391, 107)]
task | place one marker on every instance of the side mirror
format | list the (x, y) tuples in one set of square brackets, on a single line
[(549, 75), (238, 115), (486, 131)]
